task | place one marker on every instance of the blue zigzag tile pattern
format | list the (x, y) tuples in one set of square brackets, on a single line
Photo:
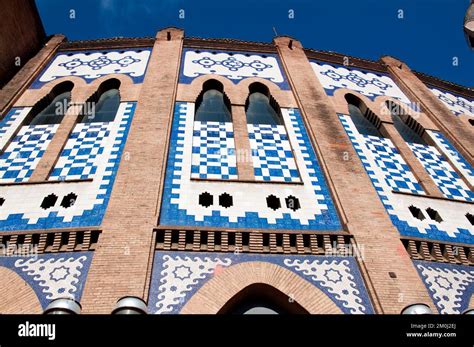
[(453, 155), (78, 203), (396, 177), (200, 203)]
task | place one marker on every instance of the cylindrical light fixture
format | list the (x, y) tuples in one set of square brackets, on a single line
[(130, 305), (417, 309), (63, 306)]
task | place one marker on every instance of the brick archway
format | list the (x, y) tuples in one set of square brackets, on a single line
[(222, 288), (17, 295)]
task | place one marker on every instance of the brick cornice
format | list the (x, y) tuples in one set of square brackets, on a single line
[(229, 44), (114, 42)]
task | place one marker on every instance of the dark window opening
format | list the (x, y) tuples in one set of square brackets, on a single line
[(416, 212), (434, 215), (205, 199), (293, 203), (470, 218), (69, 200), (212, 105), (407, 133), (52, 108), (104, 104), (225, 200), (471, 121), (359, 112), (273, 202), (49, 201), (260, 107), (260, 298)]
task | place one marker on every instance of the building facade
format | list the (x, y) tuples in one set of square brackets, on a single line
[(222, 176)]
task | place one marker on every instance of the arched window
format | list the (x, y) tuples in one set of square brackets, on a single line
[(361, 122), (212, 105), (407, 133), (52, 108), (103, 105), (260, 298), (260, 108)]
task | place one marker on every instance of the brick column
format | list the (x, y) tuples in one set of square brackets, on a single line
[(350, 186), (120, 265), (457, 132), (423, 177), (17, 85), (51, 155), (242, 143)]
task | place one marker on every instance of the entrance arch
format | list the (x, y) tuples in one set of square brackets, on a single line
[(17, 295), (223, 292)]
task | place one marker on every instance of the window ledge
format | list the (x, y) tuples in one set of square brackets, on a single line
[(44, 182), (433, 197)]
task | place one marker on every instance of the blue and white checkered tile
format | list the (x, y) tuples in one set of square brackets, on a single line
[(455, 103), (443, 174), (51, 276), (454, 227), (213, 151), (49, 206), (451, 286), (368, 83), (235, 66), (78, 160), (20, 158), (177, 276), (10, 122), (231, 204), (393, 169), (451, 153), (272, 155), (385, 165)]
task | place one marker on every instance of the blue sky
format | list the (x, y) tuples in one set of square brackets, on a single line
[(428, 38)]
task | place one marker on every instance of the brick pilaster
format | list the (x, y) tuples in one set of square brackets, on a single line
[(423, 177), (242, 144), (457, 132), (350, 186), (120, 264)]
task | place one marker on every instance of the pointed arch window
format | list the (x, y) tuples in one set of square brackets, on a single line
[(260, 108), (213, 150), (103, 106), (52, 108), (407, 133), (212, 105), (272, 154), (25, 150), (358, 112), (88, 140), (261, 298)]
